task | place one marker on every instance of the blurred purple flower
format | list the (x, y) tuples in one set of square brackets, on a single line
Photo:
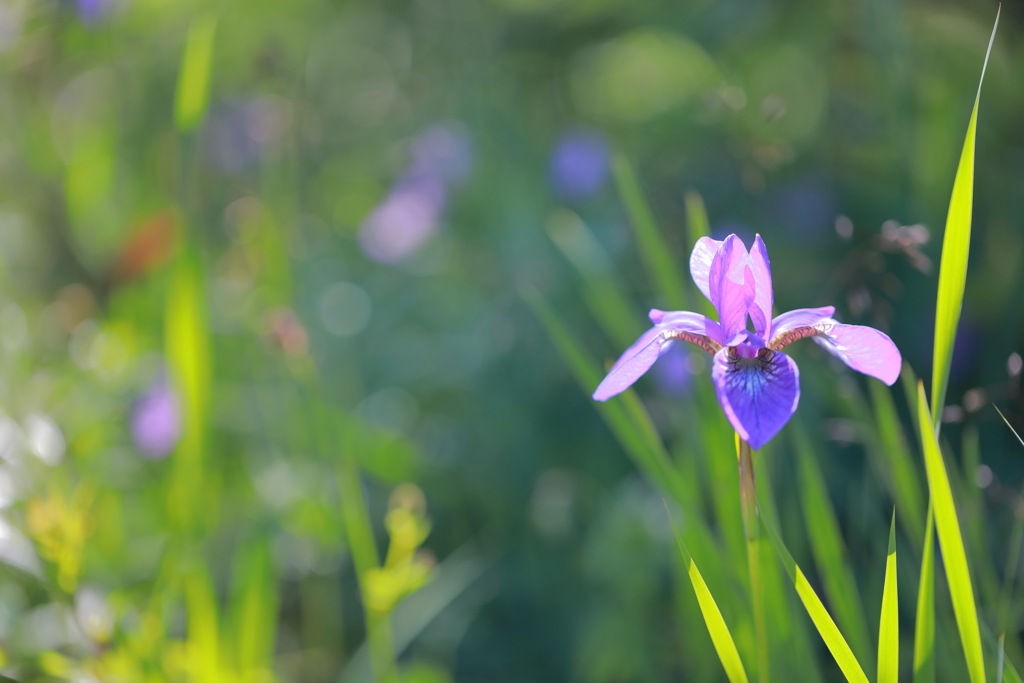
[(411, 212), (92, 11), (155, 420), (579, 164), (758, 386), (807, 208), (238, 132)]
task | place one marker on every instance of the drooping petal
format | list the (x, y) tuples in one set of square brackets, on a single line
[(684, 320), (639, 357), (731, 284), (764, 297), (700, 262), (758, 394), (801, 317), (864, 349)]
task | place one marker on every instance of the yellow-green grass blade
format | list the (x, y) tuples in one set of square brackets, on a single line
[(829, 550), (954, 557), (924, 629), (697, 224), (889, 622), (906, 486), (827, 628), (661, 263), (601, 290), (721, 637), (956, 244), (193, 91)]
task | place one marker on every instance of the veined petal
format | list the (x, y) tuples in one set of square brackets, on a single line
[(864, 349), (801, 317), (764, 297), (758, 394), (639, 357), (689, 322), (731, 284), (700, 263)]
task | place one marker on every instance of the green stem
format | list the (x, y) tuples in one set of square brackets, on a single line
[(364, 556), (748, 502)]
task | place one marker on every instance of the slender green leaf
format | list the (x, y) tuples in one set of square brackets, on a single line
[(661, 263), (954, 557), (827, 628), (721, 637), (601, 290), (924, 630), (889, 622), (829, 550), (905, 485), (193, 92), (697, 224), (956, 244)]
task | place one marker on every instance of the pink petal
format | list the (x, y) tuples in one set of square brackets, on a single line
[(639, 357), (758, 395), (764, 298), (864, 349), (801, 317), (732, 287), (700, 262)]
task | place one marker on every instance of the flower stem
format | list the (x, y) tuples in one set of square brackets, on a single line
[(752, 531)]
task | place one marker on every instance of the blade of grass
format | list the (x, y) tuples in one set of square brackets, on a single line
[(956, 244), (655, 251), (194, 76), (924, 629), (889, 623), (601, 290), (721, 637), (827, 628), (697, 224), (954, 557), (905, 485), (829, 550)]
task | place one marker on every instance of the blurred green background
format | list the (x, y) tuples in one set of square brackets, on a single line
[(260, 260)]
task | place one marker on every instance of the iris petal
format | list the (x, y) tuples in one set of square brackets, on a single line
[(764, 298), (801, 317), (758, 394), (700, 263), (639, 357), (864, 349), (732, 287)]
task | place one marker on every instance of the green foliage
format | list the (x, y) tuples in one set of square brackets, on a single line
[(889, 621)]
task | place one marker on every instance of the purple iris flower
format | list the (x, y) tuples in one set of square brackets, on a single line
[(757, 384)]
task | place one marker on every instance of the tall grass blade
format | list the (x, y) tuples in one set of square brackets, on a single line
[(827, 628), (721, 637), (829, 550), (697, 224), (659, 258), (954, 557), (601, 290), (889, 622), (924, 629), (905, 484), (956, 244), (193, 91)]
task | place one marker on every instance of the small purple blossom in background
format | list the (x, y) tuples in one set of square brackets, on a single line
[(155, 420), (411, 212), (93, 11), (579, 164), (239, 131), (758, 386), (672, 372)]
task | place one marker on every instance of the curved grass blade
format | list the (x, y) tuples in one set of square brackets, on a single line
[(889, 622), (924, 630), (954, 557), (906, 485), (193, 92), (956, 244), (658, 257), (717, 628), (829, 550), (827, 628)]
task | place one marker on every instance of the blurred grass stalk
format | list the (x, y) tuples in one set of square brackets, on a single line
[(751, 530)]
